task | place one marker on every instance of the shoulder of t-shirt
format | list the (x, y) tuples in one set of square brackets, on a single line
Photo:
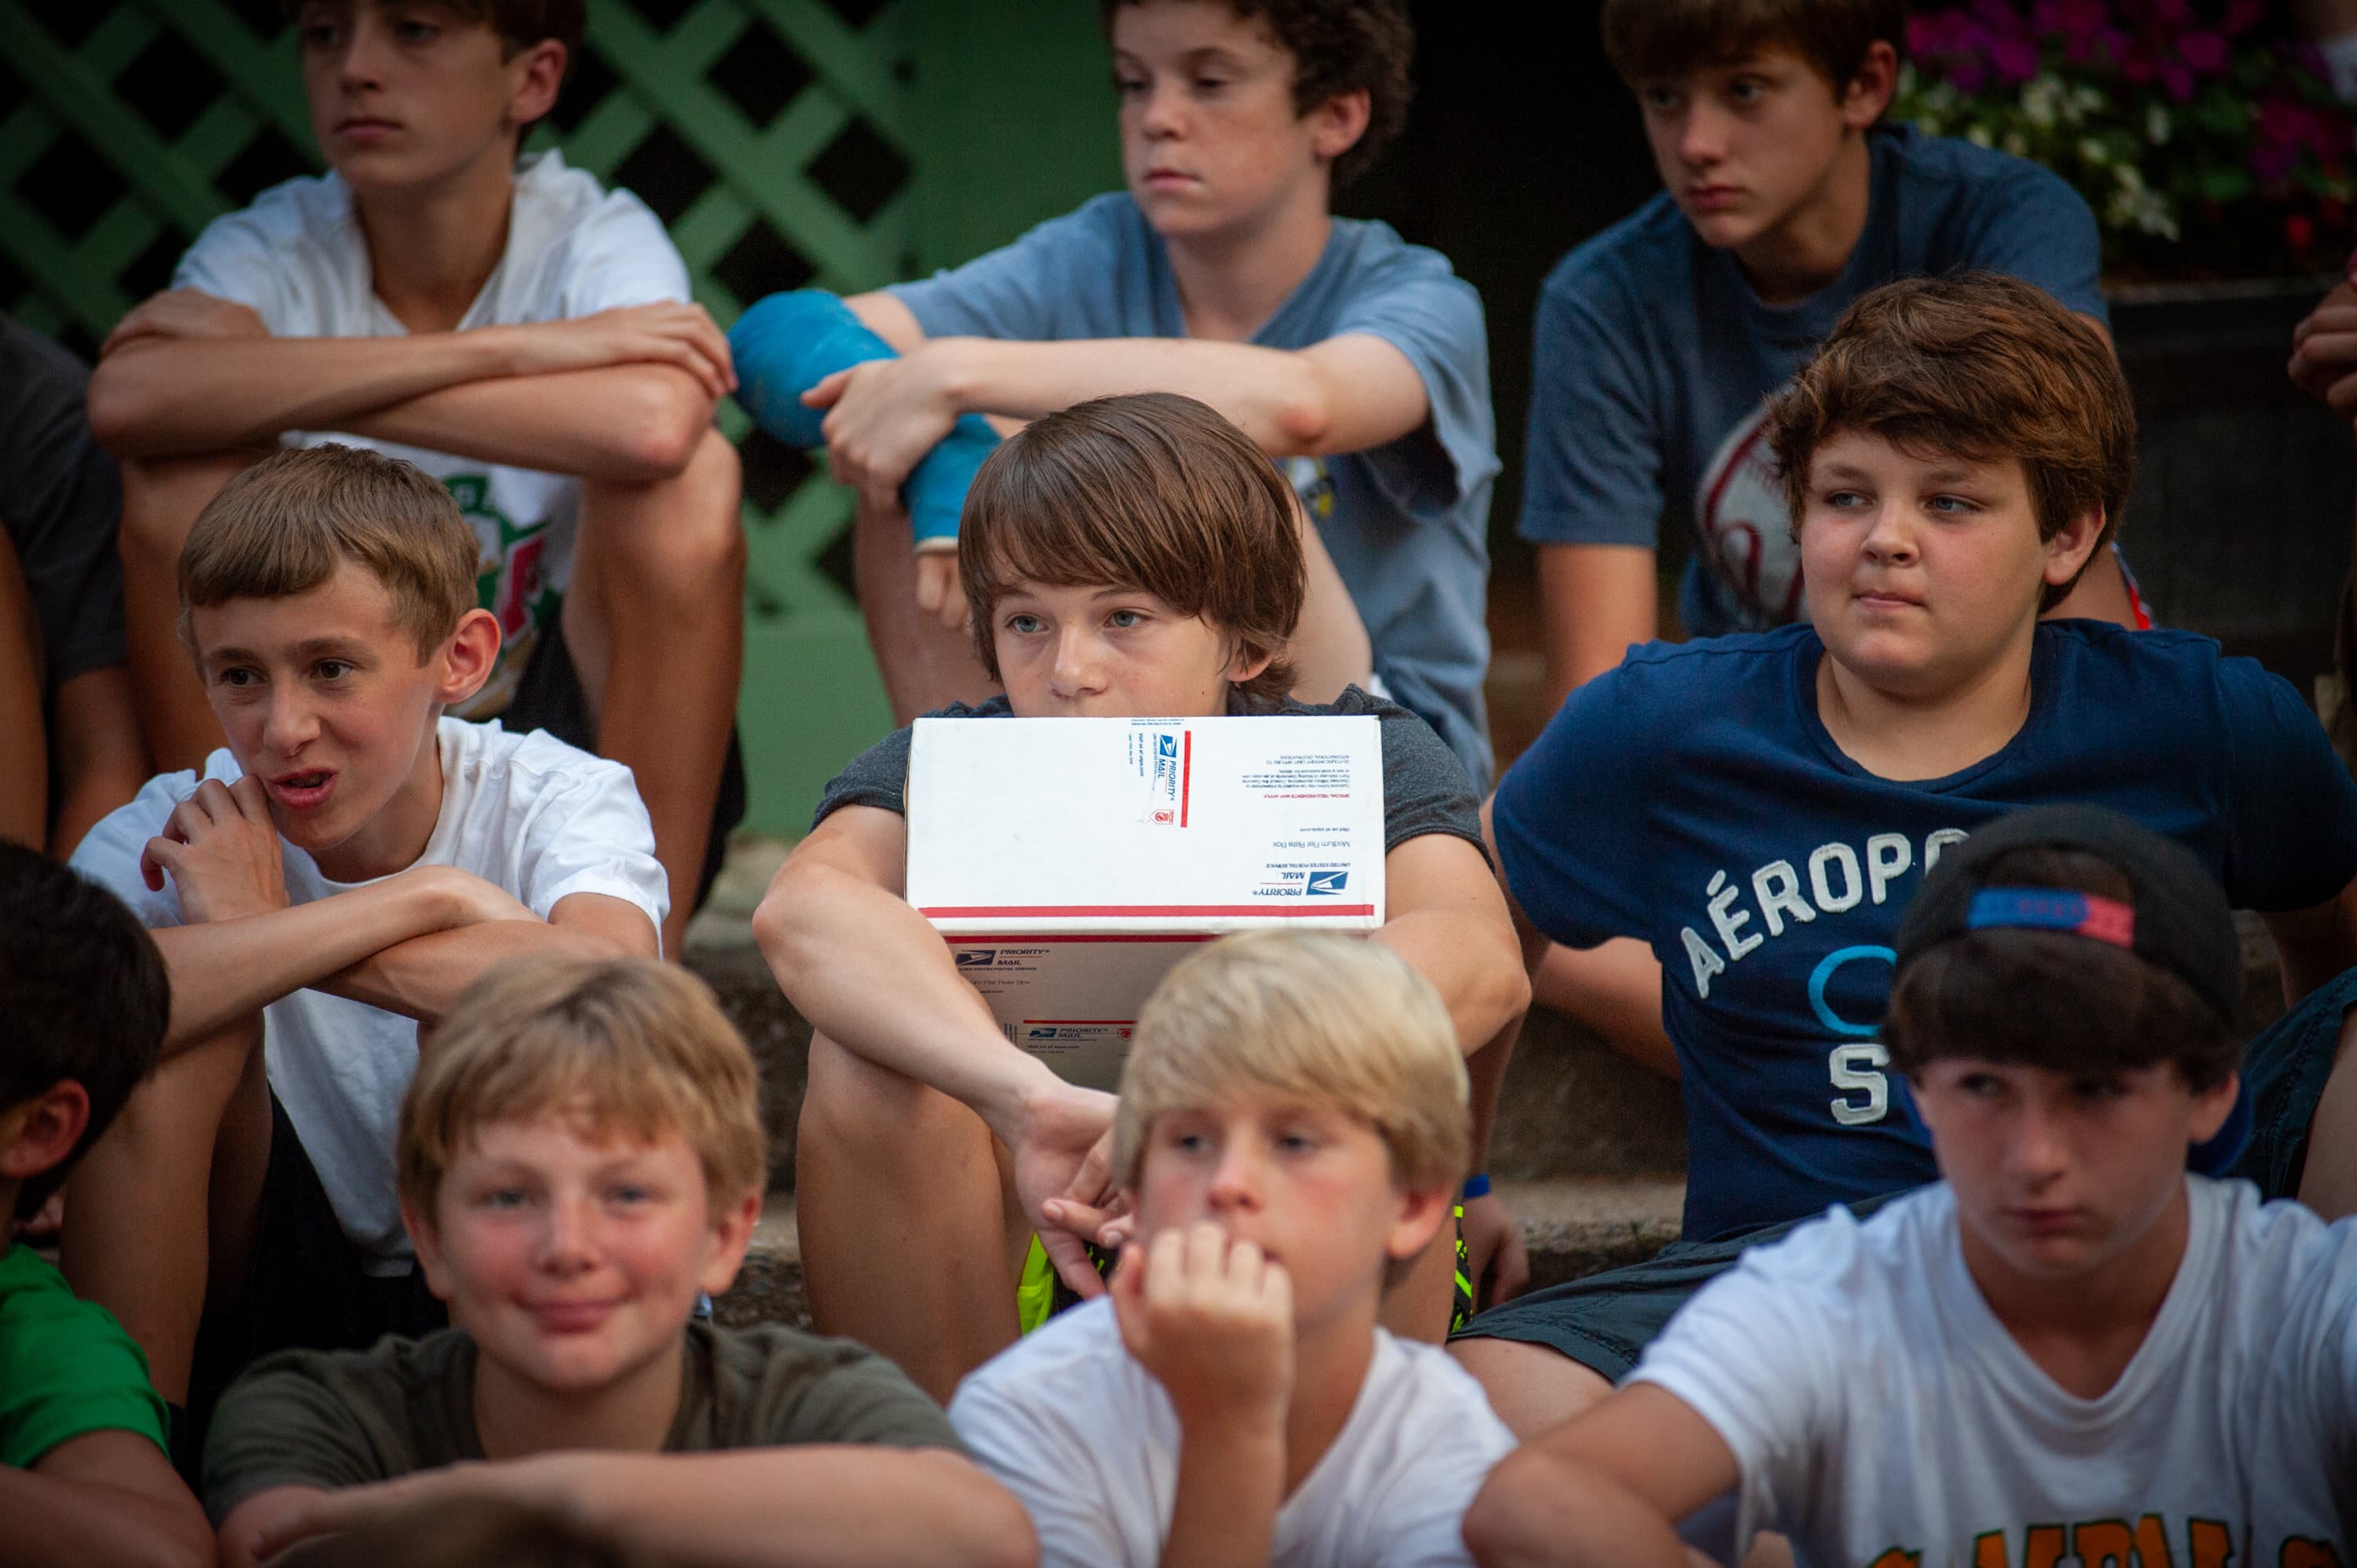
[(2155, 662), (1378, 259), (1959, 169), (1076, 1355), (580, 205), (45, 380), (1737, 658), (293, 215), (536, 761), (38, 1308), (1628, 263)]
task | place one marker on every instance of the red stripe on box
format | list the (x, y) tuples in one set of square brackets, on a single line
[(1047, 939), (1186, 771), (1125, 911)]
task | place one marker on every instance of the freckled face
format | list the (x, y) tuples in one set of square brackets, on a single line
[(1089, 653), (1309, 1184)]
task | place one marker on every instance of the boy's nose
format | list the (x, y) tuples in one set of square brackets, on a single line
[(291, 725), (1889, 540), (1163, 111), (1235, 1181), (567, 1243), (2037, 1152), (1078, 671), (1702, 138)]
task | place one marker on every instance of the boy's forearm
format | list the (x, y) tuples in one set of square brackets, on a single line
[(160, 397), (631, 423), (421, 977), (811, 1506), (872, 974), (55, 1522), (1537, 1510), (1230, 1482), (1288, 400), (227, 970), (1472, 961)]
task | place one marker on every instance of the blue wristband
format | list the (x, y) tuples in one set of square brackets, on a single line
[(1475, 1186)]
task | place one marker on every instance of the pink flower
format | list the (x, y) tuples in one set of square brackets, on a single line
[(2175, 78), (2299, 233), (2205, 52), (2016, 59), (2174, 13), (2242, 15)]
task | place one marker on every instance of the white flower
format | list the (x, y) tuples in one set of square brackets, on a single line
[(2016, 143), (2092, 151), (1978, 135), (2156, 124)]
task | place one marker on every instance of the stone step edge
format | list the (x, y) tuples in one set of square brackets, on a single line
[(1572, 1227)]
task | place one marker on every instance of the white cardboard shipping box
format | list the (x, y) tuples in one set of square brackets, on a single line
[(1071, 863)]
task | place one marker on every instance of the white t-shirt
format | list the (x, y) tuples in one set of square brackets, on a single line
[(1884, 1417), (524, 811), (1086, 1438), (298, 258)]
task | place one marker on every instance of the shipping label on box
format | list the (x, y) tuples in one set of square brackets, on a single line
[(1069, 862)]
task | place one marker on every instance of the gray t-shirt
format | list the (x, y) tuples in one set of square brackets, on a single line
[(60, 502), (345, 1418), (1652, 360), (1406, 522), (1425, 790)]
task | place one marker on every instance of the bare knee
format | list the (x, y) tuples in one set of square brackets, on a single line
[(1534, 1389), (873, 1119), (161, 496), (680, 535)]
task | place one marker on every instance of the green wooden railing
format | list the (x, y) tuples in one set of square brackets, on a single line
[(836, 143)]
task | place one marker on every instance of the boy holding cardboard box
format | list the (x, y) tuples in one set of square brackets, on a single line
[(1128, 557)]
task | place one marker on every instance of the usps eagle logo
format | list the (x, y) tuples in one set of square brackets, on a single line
[(1746, 534)]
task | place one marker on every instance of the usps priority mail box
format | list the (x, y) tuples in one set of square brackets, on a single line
[(1071, 863)]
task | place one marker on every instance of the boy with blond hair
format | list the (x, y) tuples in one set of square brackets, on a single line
[(2069, 1346), (1128, 557), (1955, 456), (1293, 1120), (1358, 362), (322, 890), (581, 1156), (503, 322), (85, 1472)]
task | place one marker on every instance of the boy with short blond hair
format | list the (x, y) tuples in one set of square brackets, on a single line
[(1293, 1121), (1358, 362), (581, 1155), (85, 1472), (2070, 1347), (322, 892), (1126, 557), (511, 326), (1958, 452)]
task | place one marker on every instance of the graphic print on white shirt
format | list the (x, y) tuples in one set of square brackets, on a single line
[(298, 259), (1884, 1418)]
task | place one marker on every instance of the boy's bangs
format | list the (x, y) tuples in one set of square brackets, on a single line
[(1057, 544)]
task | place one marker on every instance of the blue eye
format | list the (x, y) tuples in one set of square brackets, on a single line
[(503, 1197), (1025, 625), (1125, 620)]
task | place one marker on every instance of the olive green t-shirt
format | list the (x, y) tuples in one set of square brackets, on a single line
[(333, 1419)]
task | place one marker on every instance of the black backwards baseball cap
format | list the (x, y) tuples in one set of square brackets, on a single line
[(2180, 919)]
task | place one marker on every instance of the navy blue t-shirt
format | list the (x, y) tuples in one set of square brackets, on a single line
[(1693, 799), (1654, 360)]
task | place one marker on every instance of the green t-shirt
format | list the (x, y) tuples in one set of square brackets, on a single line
[(344, 1418), (67, 1368)]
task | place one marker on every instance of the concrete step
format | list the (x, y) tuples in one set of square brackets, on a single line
[(1571, 1107), (1572, 1227)]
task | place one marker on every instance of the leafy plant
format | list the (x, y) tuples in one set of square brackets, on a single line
[(2206, 146)]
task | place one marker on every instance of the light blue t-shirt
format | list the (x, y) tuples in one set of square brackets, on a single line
[(1406, 522), (1652, 360)]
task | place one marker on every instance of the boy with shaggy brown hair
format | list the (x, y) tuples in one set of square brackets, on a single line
[(1952, 458), (581, 1155), (1358, 362), (521, 334), (1128, 557), (1293, 1123), (322, 890), (2069, 1346), (1656, 343)]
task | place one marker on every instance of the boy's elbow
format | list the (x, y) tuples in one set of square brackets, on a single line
[(1304, 416), (998, 1530), (674, 422), (118, 411)]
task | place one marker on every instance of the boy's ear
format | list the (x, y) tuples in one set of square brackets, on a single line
[(732, 1233), (468, 657), (428, 1242), (2212, 1106), (40, 1134), (1336, 125), (534, 74), (1871, 90), (1418, 1221), (1247, 662), (2067, 552)]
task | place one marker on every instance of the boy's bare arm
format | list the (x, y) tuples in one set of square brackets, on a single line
[(104, 1497), (1213, 1320), (1445, 915), (421, 977), (1604, 1488), (1345, 394), (2315, 944), (262, 1519), (100, 759), (1595, 600), (873, 975), (809, 1506), (186, 373)]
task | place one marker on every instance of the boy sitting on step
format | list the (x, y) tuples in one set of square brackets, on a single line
[(580, 1157), (1128, 557)]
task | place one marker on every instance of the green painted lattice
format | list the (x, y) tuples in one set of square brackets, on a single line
[(772, 136)]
